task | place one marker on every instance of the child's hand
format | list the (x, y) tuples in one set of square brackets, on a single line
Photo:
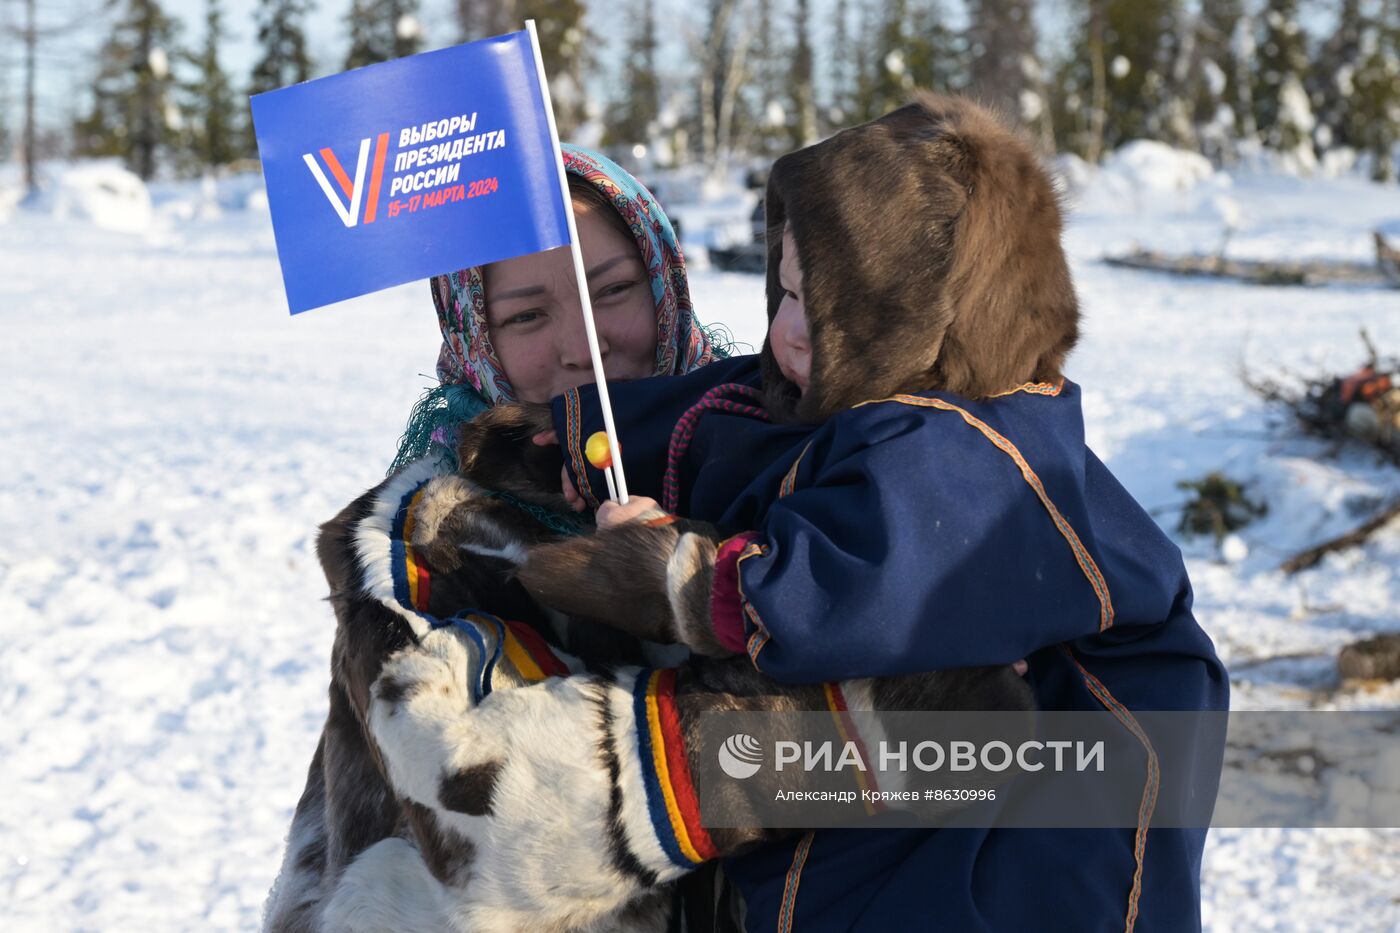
[(610, 514)]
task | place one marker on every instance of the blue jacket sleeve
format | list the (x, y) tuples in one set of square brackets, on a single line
[(912, 542), (645, 411)]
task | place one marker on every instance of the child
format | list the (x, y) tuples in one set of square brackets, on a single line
[(922, 499)]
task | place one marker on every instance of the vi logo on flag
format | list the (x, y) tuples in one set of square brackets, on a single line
[(354, 191), (396, 151)]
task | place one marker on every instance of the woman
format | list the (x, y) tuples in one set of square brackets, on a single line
[(360, 855), (511, 331)]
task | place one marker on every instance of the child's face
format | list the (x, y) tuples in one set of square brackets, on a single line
[(787, 335)]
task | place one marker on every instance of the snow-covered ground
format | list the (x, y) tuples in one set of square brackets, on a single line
[(172, 439)]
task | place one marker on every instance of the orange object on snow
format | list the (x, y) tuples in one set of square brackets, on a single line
[(1364, 385)]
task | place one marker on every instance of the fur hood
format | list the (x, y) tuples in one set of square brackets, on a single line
[(929, 241)]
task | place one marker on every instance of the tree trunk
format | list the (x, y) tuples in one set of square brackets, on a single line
[(31, 42), (1093, 151), (146, 98)]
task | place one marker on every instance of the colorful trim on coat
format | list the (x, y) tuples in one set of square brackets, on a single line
[(1034, 388), (412, 582), (672, 801), (573, 428), (846, 728), (511, 647), (789, 482), (788, 906), (1150, 788), (759, 636), (527, 656), (1081, 553)]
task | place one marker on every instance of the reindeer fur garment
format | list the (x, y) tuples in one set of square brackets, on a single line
[(403, 824), (457, 786), (927, 505)]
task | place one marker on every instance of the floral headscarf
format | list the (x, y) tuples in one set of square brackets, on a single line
[(469, 373)]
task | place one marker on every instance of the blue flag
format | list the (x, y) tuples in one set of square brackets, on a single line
[(408, 169)]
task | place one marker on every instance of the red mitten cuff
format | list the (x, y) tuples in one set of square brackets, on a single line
[(726, 603)]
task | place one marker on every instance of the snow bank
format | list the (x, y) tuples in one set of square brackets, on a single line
[(209, 197), (1154, 166), (102, 194), (1146, 177), (166, 636)]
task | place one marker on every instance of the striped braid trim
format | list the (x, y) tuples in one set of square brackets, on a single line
[(640, 835), (507, 647), (1035, 388), (1081, 553), (412, 582), (529, 654), (485, 632), (846, 728), (382, 549), (759, 636), (789, 482), (396, 576), (1150, 788), (672, 801), (788, 907), (681, 435), (573, 427)]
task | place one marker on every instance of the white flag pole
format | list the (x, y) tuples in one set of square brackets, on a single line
[(580, 273)]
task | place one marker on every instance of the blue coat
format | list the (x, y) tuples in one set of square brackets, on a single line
[(929, 532)]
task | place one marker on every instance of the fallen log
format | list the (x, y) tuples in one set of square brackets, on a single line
[(1387, 259), (1256, 271), (1358, 535)]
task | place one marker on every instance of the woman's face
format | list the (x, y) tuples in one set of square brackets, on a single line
[(535, 314), (787, 335)]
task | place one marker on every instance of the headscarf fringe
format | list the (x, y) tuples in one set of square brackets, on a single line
[(722, 342), (432, 425)]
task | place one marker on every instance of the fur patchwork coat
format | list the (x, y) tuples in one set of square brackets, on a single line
[(488, 765)]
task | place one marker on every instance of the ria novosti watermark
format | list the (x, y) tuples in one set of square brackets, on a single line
[(741, 756), (1049, 769)]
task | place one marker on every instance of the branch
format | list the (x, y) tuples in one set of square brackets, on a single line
[(1358, 535), (1375, 358)]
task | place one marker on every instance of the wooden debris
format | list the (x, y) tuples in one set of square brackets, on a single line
[(1357, 407), (1358, 535), (1256, 271), (1387, 259)]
